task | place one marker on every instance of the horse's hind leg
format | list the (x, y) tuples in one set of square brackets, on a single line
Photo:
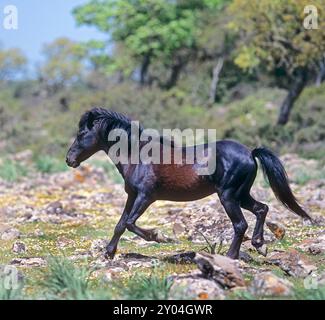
[(232, 207), (260, 211)]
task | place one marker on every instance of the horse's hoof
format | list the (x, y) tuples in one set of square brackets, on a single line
[(262, 250), (109, 255), (162, 238)]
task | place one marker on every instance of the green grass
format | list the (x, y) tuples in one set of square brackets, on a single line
[(11, 170), (65, 280), (7, 293), (310, 294), (47, 164), (147, 287)]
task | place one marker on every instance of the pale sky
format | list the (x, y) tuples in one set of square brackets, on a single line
[(42, 21)]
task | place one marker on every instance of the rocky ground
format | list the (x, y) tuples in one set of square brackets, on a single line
[(72, 214)]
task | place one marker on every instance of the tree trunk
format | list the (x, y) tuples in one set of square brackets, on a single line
[(321, 74), (176, 70), (215, 79), (295, 90), (144, 69)]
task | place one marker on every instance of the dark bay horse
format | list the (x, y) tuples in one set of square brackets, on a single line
[(232, 179)]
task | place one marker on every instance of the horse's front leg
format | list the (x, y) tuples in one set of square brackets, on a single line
[(140, 205), (120, 228)]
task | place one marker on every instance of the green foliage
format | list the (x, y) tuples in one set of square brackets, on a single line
[(64, 62), (48, 164), (156, 29), (9, 294), (63, 280), (311, 294), (144, 287), (251, 121), (11, 170), (12, 62), (273, 33)]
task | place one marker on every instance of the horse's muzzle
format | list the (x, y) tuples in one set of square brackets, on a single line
[(72, 163)]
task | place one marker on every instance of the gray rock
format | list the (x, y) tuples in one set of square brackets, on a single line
[(268, 284), (19, 247), (10, 234), (98, 247), (221, 269), (277, 229), (194, 286), (314, 246), (29, 262), (292, 262), (55, 207), (181, 258)]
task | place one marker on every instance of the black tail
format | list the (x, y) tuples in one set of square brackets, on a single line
[(275, 173)]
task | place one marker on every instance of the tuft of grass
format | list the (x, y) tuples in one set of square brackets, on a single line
[(11, 170), (311, 294), (47, 164), (66, 281), (144, 287), (241, 295), (9, 293)]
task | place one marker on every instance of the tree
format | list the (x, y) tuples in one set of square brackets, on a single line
[(151, 31), (273, 37), (64, 63), (12, 63)]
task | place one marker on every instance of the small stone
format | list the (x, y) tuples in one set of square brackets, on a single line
[(178, 229), (277, 229), (221, 269), (38, 233), (246, 257), (292, 262), (19, 247), (314, 246), (194, 286), (10, 234), (29, 262), (98, 247), (181, 258), (55, 207), (268, 284)]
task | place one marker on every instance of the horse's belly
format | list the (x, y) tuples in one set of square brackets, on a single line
[(183, 184)]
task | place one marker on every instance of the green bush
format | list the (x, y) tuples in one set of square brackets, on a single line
[(9, 294), (144, 287), (310, 294), (11, 170), (47, 164)]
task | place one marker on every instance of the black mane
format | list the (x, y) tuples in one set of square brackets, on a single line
[(108, 120)]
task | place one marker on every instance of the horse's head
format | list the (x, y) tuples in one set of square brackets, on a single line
[(88, 140)]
